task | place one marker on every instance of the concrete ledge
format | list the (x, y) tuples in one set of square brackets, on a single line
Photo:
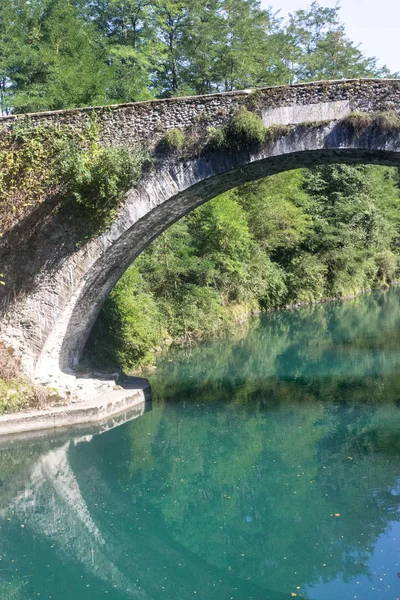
[(92, 411)]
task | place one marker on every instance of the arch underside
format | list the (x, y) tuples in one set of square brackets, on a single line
[(165, 196)]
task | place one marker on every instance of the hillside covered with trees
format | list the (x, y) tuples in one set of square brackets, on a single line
[(296, 237)]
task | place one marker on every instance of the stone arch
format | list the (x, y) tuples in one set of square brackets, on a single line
[(50, 323)]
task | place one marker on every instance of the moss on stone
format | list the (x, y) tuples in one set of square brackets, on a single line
[(274, 132), (245, 130), (386, 122), (174, 139), (358, 121), (255, 99), (216, 138)]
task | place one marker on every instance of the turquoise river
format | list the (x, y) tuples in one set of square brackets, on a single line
[(266, 468)]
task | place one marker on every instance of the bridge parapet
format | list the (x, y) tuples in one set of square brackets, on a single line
[(145, 123)]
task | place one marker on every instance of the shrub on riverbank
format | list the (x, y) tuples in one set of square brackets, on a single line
[(17, 392)]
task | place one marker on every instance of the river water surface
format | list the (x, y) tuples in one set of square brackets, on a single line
[(268, 468)]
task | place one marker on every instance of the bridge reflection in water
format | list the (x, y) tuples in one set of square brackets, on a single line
[(268, 466), (41, 494), (79, 536)]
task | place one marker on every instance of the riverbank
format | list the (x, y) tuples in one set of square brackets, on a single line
[(246, 318), (89, 400)]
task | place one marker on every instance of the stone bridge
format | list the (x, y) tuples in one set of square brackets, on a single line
[(54, 291)]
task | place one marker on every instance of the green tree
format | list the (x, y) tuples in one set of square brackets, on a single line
[(131, 323), (320, 48), (276, 210), (173, 23), (250, 53), (53, 59), (128, 36), (350, 226)]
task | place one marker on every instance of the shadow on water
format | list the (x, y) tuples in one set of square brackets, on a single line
[(268, 468)]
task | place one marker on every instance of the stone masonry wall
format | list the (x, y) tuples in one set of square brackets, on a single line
[(55, 290), (144, 123)]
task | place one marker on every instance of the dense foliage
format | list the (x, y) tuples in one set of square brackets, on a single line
[(300, 236), (71, 168), (63, 53)]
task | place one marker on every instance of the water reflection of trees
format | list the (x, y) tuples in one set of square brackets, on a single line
[(267, 464), (257, 491), (287, 453), (341, 338)]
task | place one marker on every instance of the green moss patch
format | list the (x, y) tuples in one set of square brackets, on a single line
[(387, 122), (174, 139), (245, 130)]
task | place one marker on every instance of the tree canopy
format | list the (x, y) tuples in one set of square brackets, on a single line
[(65, 53)]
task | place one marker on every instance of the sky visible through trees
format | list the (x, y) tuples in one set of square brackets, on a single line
[(375, 27)]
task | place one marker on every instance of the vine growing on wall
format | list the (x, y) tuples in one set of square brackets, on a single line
[(68, 168)]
